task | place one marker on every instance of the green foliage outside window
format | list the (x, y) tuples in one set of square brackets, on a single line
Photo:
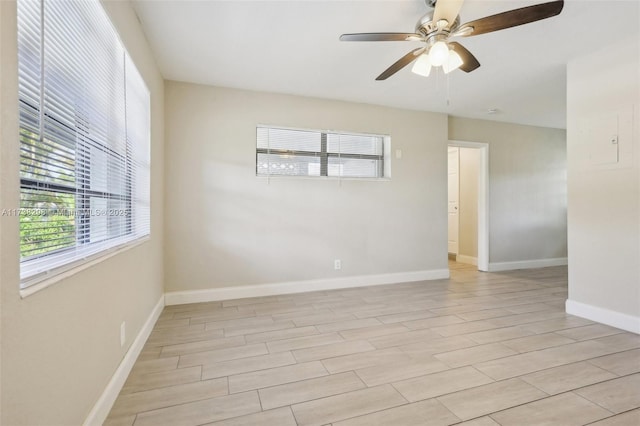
[(47, 217)]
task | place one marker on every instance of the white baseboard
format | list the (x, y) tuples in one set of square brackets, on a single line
[(467, 259), (100, 410), (605, 316), (271, 289), (527, 264)]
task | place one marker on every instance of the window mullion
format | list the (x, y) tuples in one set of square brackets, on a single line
[(128, 166), (83, 202), (324, 158), (381, 162)]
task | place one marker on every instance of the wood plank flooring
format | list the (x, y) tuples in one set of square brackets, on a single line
[(477, 349)]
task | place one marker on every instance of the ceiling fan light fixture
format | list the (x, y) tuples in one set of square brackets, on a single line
[(422, 66), (438, 54), (453, 62)]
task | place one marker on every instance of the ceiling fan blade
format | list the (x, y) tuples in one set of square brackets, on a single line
[(469, 62), (512, 18), (380, 37), (447, 9), (401, 63)]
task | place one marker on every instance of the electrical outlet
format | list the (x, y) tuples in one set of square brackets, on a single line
[(337, 264), (123, 333)]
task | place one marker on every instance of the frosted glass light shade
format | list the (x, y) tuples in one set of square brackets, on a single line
[(453, 62), (422, 66), (438, 53)]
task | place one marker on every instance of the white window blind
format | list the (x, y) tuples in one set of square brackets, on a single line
[(84, 137), (291, 152)]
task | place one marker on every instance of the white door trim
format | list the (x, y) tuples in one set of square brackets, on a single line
[(456, 248), (483, 200)]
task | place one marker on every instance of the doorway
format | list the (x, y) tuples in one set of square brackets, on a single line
[(468, 203), (453, 219)]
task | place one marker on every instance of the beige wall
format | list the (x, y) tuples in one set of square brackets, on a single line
[(468, 202), (227, 227), (604, 200), (61, 345), (527, 188)]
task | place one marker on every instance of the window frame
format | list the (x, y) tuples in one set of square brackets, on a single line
[(42, 269), (82, 192), (384, 168)]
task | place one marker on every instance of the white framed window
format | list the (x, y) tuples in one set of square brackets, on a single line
[(296, 152), (84, 137)]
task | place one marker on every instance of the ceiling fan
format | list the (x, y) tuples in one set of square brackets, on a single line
[(438, 26)]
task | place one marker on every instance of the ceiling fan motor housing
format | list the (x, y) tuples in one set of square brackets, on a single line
[(426, 26)]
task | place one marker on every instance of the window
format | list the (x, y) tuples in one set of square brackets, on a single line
[(290, 152), (84, 137)]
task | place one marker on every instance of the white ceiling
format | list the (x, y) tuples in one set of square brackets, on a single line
[(292, 47)]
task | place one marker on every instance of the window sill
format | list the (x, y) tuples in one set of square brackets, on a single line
[(41, 282), (328, 178)]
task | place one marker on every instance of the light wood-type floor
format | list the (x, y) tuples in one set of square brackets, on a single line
[(478, 349)]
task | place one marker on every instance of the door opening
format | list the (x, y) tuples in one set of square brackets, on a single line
[(468, 208), (453, 224)]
